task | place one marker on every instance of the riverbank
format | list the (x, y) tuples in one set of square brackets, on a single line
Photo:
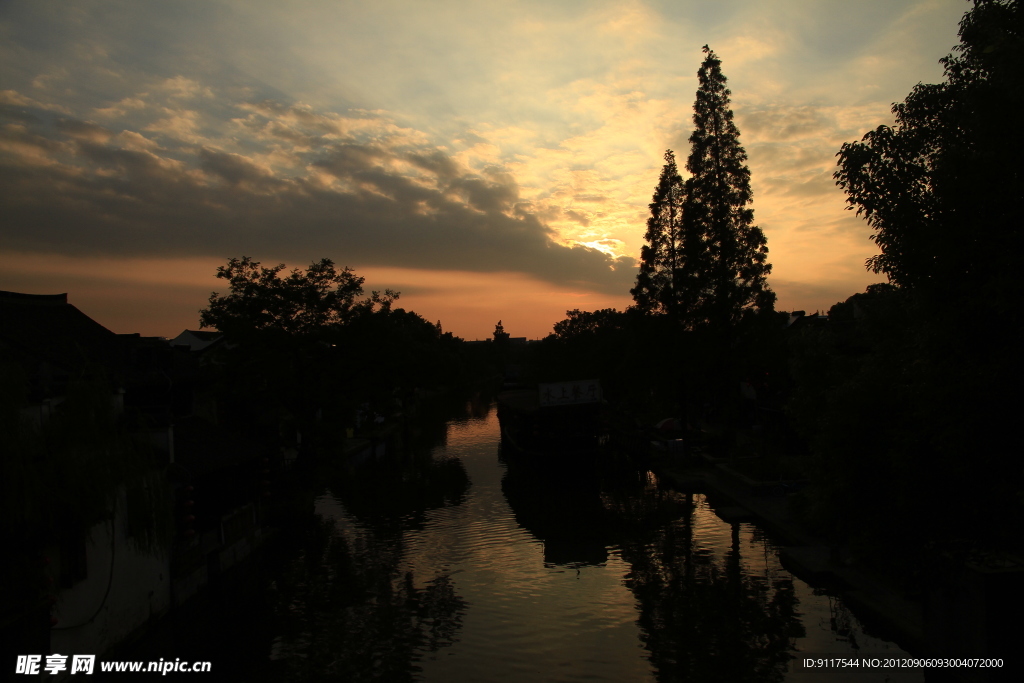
[(966, 610), (810, 557)]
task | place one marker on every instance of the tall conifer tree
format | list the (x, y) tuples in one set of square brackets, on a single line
[(661, 257), (725, 256)]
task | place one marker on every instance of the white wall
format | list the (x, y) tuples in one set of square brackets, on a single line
[(91, 619)]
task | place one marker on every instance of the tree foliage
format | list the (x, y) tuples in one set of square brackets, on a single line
[(661, 257), (606, 344), (705, 262), (301, 303), (942, 189), (726, 255), (308, 351), (582, 324)]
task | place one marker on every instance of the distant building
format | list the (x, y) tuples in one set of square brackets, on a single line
[(198, 340), (798, 319)]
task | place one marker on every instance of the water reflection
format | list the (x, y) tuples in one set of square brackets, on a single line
[(702, 612), (348, 608), (393, 494), (452, 561), (347, 613), (567, 516), (408, 474), (707, 618)]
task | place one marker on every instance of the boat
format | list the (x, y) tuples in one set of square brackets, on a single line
[(554, 421)]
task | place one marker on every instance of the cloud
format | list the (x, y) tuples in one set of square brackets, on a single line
[(180, 125), (780, 123), (12, 99), (27, 148), (129, 139), (180, 87), (83, 130), (364, 190), (235, 169), (123, 107), (485, 136)]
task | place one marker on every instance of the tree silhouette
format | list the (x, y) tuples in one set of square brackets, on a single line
[(300, 303), (661, 257), (705, 262), (942, 189), (724, 255), (296, 339)]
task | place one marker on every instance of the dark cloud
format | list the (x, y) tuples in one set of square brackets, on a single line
[(437, 163), (785, 123), (580, 218), (234, 168), (349, 161), (818, 185), (13, 112), (489, 197), (71, 189), (83, 130), (31, 145), (288, 135)]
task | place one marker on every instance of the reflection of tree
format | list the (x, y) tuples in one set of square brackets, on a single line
[(346, 610), (706, 620), (394, 492), (348, 614)]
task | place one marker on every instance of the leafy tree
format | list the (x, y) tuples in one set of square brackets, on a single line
[(942, 189), (300, 303), (725, 256), (597, 344), (298, 344), (705, 263), (661, 257), (406, 351), (581, 324)]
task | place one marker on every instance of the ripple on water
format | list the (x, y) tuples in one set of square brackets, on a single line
[(528, 620)]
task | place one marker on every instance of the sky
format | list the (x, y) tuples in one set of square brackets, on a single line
[(488, 160)]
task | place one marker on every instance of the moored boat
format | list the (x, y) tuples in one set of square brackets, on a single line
[(555, 421)]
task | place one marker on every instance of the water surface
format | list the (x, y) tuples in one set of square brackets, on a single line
[(464, 564)]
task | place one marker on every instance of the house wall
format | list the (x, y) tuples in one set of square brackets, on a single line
[(124, 588)]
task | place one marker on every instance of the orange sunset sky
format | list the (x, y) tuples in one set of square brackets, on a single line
[(488, 160)]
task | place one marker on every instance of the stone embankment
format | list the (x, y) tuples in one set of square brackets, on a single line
[(811, 558), (970, 607)]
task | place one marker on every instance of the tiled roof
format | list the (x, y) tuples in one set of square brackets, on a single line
[(197, 340), (46, 327)]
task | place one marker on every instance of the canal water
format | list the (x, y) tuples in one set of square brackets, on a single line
[(459, 562)]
